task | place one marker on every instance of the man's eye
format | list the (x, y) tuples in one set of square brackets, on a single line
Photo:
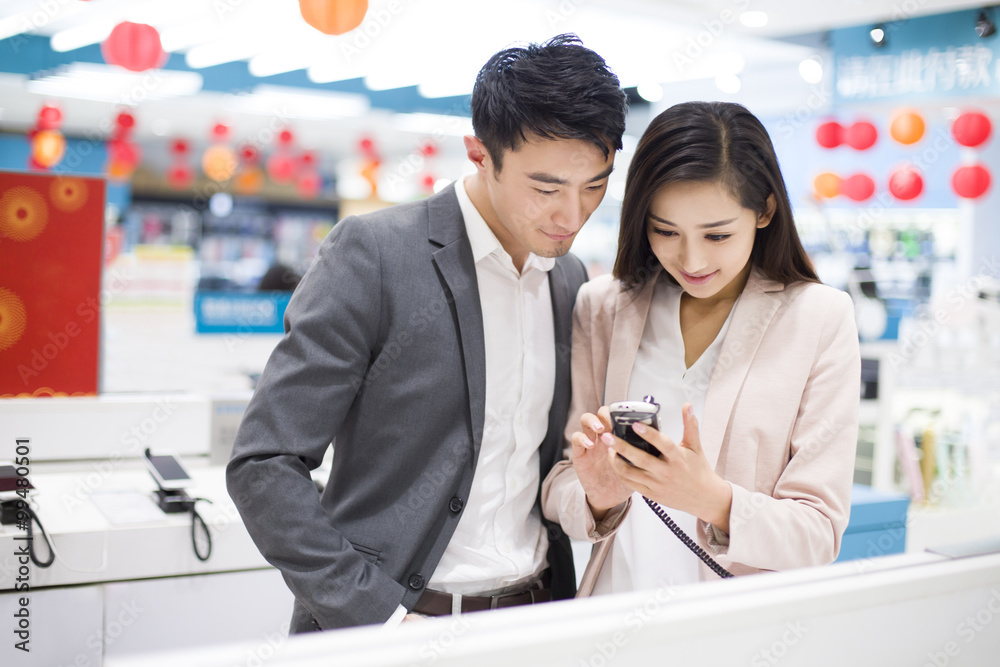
[(545, 192)]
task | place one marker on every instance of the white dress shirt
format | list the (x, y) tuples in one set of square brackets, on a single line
[(500, 540), (646, 554)]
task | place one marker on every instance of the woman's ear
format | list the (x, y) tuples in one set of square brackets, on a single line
[(764, 219)]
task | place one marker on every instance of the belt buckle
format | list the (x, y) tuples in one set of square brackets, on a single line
[(495, 599)]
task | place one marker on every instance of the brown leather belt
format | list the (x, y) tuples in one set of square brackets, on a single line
[(433, 603)]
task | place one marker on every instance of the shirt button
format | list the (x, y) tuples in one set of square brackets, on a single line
[(506, 549), (456, 504), (416, 581)]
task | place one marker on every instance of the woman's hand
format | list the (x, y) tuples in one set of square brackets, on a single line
[(681, 478), (590, 460)]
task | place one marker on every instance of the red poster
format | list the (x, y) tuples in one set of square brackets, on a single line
[(51, 244)]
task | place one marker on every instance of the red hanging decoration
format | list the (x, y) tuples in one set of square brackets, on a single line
[(333, 17), (134, 46), (861, 136), (281, 163), (830, 134), (972, 129), (906, 183), (124, 155), (180, 175), (858, 187), (48, 145), (971, 182)]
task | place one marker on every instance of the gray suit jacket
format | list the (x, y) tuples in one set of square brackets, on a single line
[(383, 353)]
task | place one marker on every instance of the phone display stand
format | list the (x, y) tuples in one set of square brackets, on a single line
[(173, 501)]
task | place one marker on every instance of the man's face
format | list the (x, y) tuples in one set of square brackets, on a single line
[(544, 193)]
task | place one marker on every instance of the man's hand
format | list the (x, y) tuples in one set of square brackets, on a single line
[(590, 460)]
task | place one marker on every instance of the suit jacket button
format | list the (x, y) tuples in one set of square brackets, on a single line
[(456, 504), (416, 581), (555, 533)]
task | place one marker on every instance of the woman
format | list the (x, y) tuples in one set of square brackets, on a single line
[(715, 310)]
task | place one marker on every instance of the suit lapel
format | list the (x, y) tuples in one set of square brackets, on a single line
[(454, 261), (751, 318), (631, 309)]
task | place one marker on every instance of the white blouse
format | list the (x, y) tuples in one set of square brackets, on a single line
[(646, 554)]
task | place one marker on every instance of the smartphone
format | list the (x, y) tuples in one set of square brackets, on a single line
[(167, 470), (626, 413)]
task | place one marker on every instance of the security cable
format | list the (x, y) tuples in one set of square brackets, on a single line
[(688, 542)]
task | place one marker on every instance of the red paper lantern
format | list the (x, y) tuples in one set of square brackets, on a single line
[(906, 183), (180, 176), (179, 147), (861, 135), (281, 167), (972, 128), (125, 122), (858, 187), (971, 182), (124, 152), (333, 17), (286, 138), (907, 127), (830, 134), (134, 46), (49, 118), (309, 184)]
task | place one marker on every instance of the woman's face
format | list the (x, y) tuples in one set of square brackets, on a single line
[(703, 236)]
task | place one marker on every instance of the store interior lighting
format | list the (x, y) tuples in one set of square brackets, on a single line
[(753, 19), (878, 35), (105, 83), (984, 26)]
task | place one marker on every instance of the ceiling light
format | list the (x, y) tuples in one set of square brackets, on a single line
[(811, 70), (877, 33), (301, 103), (728, 83), (650, 91), (753, 19), (82, 35), (104, 83), (433, 124), (217, 53), (984, 26)]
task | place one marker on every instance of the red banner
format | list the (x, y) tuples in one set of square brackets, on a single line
[(51, 246)]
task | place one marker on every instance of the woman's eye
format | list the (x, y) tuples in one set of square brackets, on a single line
[(718, 237), (664, 232)]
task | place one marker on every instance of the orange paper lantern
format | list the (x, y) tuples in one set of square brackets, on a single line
[(907, 127), (48, 147), (219, 162), (827, 185), (333, 17)]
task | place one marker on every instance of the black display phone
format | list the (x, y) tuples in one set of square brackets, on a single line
[(167, 470), (626, 413)]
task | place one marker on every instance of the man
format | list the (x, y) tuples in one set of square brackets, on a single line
[(430, 342)]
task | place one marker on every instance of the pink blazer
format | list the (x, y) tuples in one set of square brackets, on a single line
[(780, 420)]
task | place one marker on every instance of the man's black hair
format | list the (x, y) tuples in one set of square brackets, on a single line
[(556, 90)]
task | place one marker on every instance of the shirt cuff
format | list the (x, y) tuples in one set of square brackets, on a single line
[(396, 618)]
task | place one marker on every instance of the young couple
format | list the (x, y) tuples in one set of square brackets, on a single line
[(428, 343)]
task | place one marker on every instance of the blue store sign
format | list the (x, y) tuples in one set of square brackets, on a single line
[(229, 312), (923, 58)]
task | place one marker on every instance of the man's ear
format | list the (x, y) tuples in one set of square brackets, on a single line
[(770, 206), (477, 153)]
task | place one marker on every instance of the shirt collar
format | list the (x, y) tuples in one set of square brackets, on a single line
[(482, 239)]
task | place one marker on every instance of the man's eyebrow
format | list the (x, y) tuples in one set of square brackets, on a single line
[(542, 177), (707, 225)]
